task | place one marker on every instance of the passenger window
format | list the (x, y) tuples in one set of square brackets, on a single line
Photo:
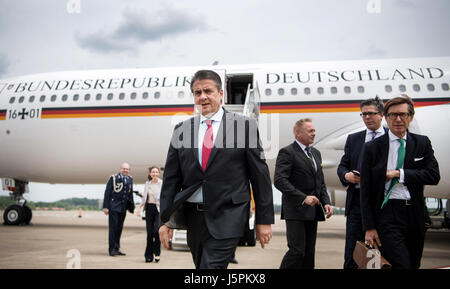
[(430, 87), (157, 95), (87, 97), (110, 96), (416, 87), (361, 89), (53, 98), (180, 94), (280, 91), (145, 95), (333, 90), (445, 86), (320, 90), (294, 91), (12, 99), (122, 96), (388, 88), (31, 99), (76, 97), (268, 92), (402, 88), (347, 89), (64, 97), (133, 95), (98, 96), (42, 98), (307, 90)]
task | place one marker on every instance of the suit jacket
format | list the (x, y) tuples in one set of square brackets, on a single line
[(420, 168), (296, 178), (351, 161), (236, 160), (119, 199)]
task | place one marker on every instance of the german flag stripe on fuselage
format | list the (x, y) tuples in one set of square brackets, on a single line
[(333, 106), (160, 110), (115, 111)]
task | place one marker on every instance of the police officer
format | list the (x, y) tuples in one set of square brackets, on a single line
[(118, 199)]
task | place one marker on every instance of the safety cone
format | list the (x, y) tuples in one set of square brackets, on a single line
[(79, 213)]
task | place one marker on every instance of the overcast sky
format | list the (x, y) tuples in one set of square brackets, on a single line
[(50, 35), (55, 35)]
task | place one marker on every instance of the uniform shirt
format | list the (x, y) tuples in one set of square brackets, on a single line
[(400, 191), (197, 196)]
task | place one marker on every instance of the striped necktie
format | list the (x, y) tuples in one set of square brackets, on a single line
[(374, 134), (310, 157)]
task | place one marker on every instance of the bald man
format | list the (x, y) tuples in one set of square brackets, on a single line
[(118, 199)]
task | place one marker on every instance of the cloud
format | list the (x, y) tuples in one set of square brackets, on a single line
[(4, 63), (140, 27)]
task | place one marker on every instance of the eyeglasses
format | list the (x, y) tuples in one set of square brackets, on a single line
[(368, 113), (394, 115)]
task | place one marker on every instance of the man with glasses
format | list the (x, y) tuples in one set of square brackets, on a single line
[(348, 173), (394, 170)]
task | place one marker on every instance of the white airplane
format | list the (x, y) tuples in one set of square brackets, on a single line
[(76, 127)]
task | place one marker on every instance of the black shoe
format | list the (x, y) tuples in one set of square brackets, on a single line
[(121, 253), (113, 253), (148, 260), (234, 261)]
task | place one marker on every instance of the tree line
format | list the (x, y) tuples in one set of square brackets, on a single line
[(67, 204)]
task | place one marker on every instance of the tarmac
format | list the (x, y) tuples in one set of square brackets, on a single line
[(60, 239)]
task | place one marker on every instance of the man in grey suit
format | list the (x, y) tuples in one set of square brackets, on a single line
[(299, 177), (212, 160)]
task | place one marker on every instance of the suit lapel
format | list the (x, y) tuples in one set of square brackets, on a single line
[(384, 149), (360, 139), (195, 125), (410, 148), (303, 156)]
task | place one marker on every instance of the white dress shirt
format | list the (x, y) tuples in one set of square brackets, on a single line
[(303, 147), (197, 196), (380, 131), (400, 191)]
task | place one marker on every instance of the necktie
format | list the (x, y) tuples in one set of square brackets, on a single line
[(308, 152), (207, 144), (374, 134), (400, 161)]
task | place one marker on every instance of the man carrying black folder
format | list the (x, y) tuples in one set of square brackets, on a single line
[(305, 201)]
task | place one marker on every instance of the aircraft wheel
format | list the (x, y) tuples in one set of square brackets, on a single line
[(28, 215), (14, 215)]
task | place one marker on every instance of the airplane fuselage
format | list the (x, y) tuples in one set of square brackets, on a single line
[(77, 127)]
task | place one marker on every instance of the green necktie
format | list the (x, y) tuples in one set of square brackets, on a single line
[(400, 160)]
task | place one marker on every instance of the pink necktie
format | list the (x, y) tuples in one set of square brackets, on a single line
[(207, 144)]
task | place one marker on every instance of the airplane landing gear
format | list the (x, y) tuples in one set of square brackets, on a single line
[(19, 213)]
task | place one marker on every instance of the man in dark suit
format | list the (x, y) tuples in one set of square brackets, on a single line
[(394, 170), (212, 160), (348, 173), (299, 177), (118, 199)]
